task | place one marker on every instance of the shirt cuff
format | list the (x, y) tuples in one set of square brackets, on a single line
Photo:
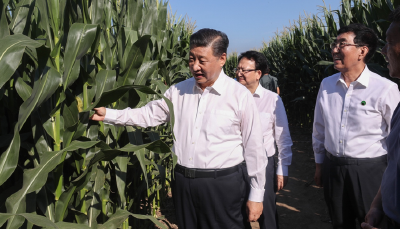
[(256, 195), (319, 157), (282, 170), (111, 115)]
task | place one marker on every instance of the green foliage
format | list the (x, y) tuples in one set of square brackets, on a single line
[(300, 56), (59, 59), (230, 64)]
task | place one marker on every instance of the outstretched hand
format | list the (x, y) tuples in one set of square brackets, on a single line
[(99, 114)]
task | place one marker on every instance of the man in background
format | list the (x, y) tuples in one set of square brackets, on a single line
[(351, 122), (269, 82), (252, 65), (386, 204)]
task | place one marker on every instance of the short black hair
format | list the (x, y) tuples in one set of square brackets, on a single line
[(394, 16), (259, 58), (364, 36), (210, 37)]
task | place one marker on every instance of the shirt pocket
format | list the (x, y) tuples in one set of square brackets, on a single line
[(223, 121)]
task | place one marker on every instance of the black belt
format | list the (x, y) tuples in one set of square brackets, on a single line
[(205, 173), (355, 161)]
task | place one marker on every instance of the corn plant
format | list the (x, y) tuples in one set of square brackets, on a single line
[(300, 56), (59, 59), (230, 64)]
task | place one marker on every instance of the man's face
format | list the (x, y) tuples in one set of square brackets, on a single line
[(348, 56), (204, 66), (391, 50), (249, 79)]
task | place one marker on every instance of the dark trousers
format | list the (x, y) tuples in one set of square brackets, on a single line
[(269, 216), (349, 189), (203, 203)]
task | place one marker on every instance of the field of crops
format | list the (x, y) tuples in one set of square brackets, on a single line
[(61, 58), (58, 60), (300, 56)]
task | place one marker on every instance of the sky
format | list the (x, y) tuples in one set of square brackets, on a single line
[(248, 23)]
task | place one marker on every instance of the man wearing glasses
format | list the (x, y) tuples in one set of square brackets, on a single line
[(351, 122), (252, 65)]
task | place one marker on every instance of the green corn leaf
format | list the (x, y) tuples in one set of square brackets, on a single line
[(4, 31), (145, 71), (38, 220), (34, 179), (11, 51), (120, 216), (42, 90), (121, 168), (23, 89), (134, 60), (22, 15), (95, 203), (9, 159), (79, 41), (65, 225)]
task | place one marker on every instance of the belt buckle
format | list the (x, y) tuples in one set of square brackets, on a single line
[(190, 173)]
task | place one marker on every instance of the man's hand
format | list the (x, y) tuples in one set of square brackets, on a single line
[(318, 174), (99, 114), (374, 216), (254, 210), (367, 226), (281, 181)]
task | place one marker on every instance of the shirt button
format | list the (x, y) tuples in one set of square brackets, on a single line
[(192, 142), (340, 141), (345, 110), (190, 159), (342, 126)]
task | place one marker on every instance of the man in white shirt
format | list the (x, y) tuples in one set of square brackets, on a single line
[(252, 65), (217, 127), (351, 122)]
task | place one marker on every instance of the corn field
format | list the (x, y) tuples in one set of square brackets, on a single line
[(300, 56), (58, 60)]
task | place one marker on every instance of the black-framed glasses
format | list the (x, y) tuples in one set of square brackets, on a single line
[(342, 44), (244, 71)]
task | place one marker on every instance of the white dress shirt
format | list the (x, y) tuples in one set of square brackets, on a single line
[(215, 128), (275, 127), (345, 127)]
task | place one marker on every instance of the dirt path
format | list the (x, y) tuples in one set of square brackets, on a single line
[(300, 204)]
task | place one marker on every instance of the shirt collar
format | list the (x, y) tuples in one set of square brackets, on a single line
[(219, 84), (259, 91), (362, 79)]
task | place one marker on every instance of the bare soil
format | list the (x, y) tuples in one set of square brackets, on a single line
[(301, 203)]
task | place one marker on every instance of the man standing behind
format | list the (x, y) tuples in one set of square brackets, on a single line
[(269, 82), (274, 124), (351, 122), (386, 203), (217, 127)]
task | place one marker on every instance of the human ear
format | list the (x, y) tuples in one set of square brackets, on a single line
[(222, 59), (363, 52)]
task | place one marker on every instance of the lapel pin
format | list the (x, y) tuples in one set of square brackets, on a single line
[(363, 103)]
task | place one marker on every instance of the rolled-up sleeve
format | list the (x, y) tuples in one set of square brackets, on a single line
[(254, 154)]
